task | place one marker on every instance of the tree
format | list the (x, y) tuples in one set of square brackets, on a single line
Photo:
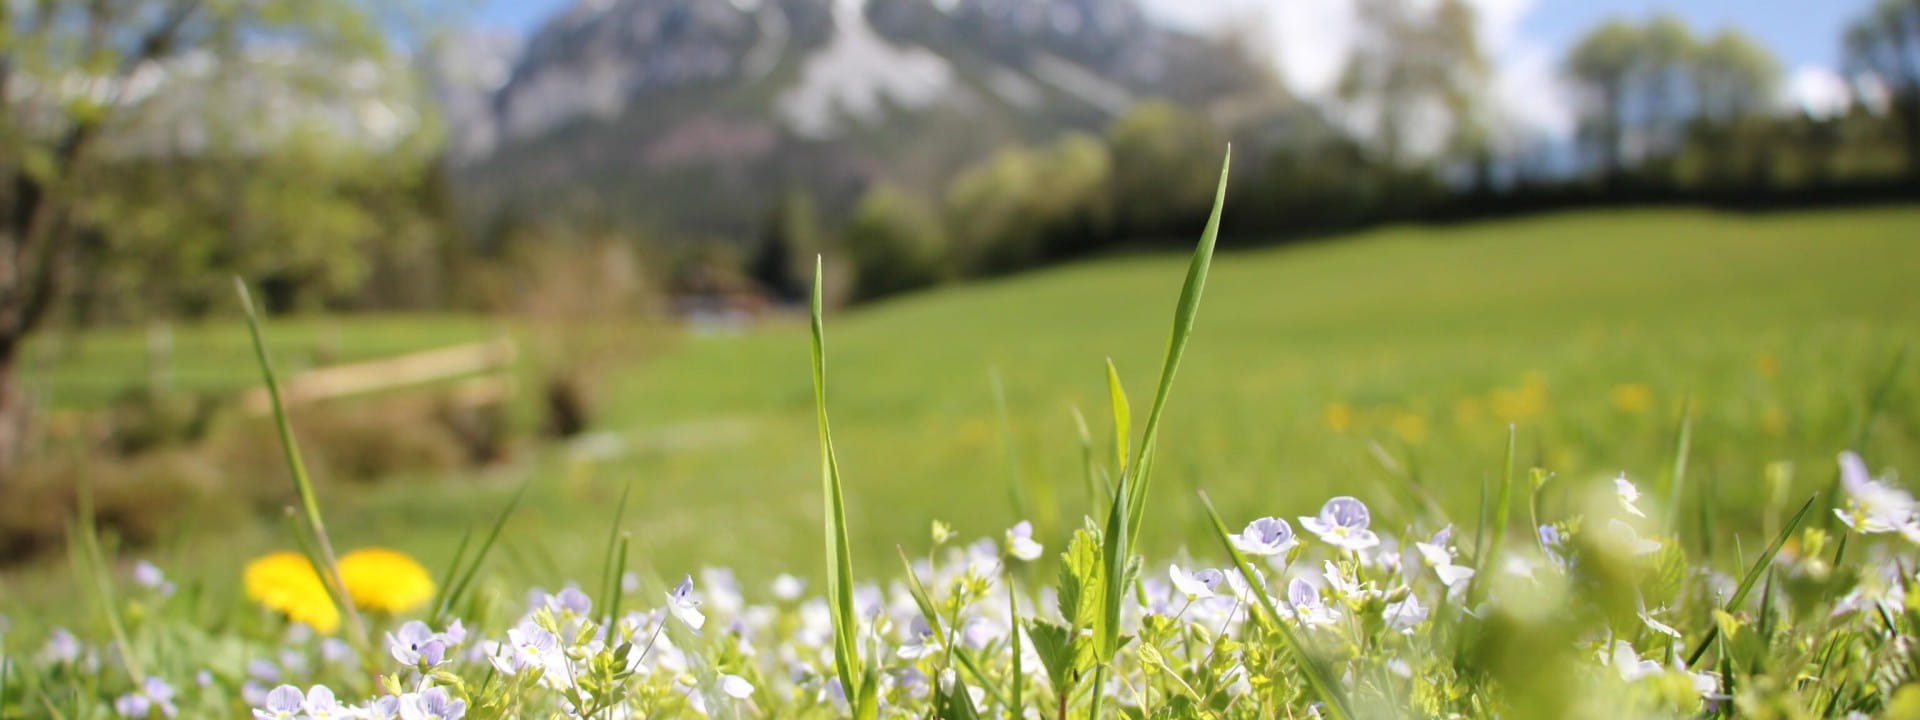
[(1162, 174), (1418, 71), (1734, 81), (897, 243), (1602, 64), (1885, 43), (78, 80), (1734, 77)]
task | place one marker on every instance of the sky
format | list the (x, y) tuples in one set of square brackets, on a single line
[(1526, 39)]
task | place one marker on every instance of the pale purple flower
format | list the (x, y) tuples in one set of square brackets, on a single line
[(321, 705), (736, 687), (684, 605), (263, 669), (1657, 626), (1625, 538), (788, 588), (283, 703), (572, 600), (1405, 614), (1343, 523), (1197, 585), (146, 575), (1020, 542), (154, 694), (416, 645), (920, 640), (1628, 663), (1305, 599), (1439, 555), (1265, 536), (528, 646), (386, 707), (1242, 589), (1874, 505), (1628, 494), (432, 704), (62, 648), (335, 650)]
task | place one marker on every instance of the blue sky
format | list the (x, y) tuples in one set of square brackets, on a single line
[(1525, 37)]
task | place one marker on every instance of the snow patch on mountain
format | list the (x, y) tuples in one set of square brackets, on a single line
[(854, 73)]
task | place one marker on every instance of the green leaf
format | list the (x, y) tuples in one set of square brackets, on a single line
[(953, 702), (1122, 417), (1054, 645), (919, 593)]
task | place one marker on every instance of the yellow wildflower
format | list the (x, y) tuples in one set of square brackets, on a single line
[(1339, 416), (285, 582), (1632, 397), (1410, 427), (384, 580)]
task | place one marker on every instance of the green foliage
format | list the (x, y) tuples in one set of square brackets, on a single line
[(897, 243)]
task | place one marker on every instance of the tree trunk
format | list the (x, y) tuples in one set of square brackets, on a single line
[(16, 421)]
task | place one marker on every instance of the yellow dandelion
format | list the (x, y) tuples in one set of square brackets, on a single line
[(1410, 427), (286, 583), (1773, 420), (384, 580), (1766, 365), (1338, 416), (1632, 397)]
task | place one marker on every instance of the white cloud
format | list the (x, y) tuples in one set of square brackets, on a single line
[(1311, 40), (1818, 91)]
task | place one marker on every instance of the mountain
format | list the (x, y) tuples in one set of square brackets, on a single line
[(692, 115)]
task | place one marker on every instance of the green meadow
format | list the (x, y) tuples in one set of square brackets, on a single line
[(1389, 365)]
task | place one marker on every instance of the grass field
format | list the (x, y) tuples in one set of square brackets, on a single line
[(1586, 332)]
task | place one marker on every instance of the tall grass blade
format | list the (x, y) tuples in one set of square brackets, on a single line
[(102, 585), (329, 567), (1015, 495), (1183, 316), (1760, 565), (1018, 677), (1122, 418), (459, 588), (1876, 402), (1496, 526), (609, 573), (1677, 480), (846, 658), (446, 578), (1095, 480), (1320, 682)]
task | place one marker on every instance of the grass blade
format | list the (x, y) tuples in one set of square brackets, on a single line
[(102, 585), (1183, 316), (329, 568), (1677, 481), (609, 573), (459, 588), (846, 657), (1014, 494), (1759, 568), (1319, 681), (1018, 677), (1875, 403), (1122, 418), (1502, 513), (453, 569)]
